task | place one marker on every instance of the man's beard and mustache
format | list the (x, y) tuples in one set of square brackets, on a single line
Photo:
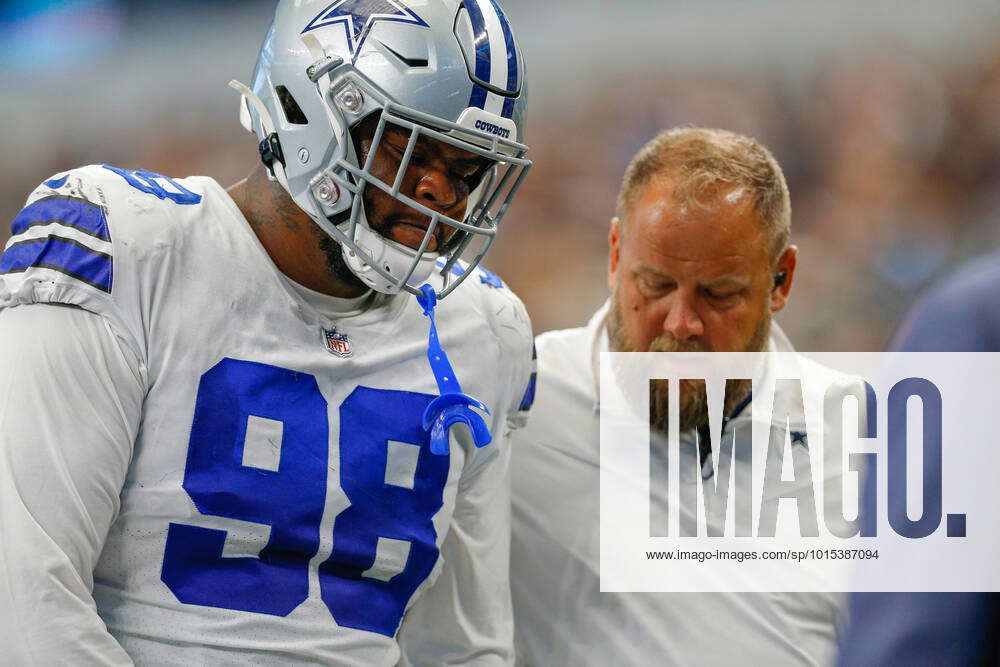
[(693, 412)]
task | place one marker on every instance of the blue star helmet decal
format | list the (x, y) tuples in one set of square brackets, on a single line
[(358, 17)]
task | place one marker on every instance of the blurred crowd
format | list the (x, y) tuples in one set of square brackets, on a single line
[(892, 158), (893, 165)]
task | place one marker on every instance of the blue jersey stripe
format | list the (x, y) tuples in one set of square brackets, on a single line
[(484, 58), (79, 214), (487, 277), (59, 254), (57, 183), (529, 394)]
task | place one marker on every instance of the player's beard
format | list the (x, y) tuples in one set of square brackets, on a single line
[(334, 254), (693, 406)]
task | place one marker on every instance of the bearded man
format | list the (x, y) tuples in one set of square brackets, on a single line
[(699, 261)]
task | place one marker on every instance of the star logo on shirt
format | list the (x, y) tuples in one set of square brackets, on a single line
[(359, 16)]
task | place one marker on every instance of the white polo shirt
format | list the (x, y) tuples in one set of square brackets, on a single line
[(561, 617)]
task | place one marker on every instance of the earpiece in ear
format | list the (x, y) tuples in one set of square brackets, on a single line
[(780, 278)]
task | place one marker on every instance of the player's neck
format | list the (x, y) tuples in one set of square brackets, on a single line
[(288, 235)]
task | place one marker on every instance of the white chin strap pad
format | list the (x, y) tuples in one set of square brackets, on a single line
[(389, 257)]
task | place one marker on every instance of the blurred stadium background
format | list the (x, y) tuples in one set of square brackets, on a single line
[(883, 113)]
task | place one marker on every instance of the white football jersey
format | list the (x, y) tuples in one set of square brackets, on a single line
[(282, 503)]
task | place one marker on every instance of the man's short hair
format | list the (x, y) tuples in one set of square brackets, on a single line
[(706, 163)]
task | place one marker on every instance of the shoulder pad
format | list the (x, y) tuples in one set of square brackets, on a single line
[(61, 233), (508, 319), (480, 276), (156, 185), (67, 242), (65, 226)]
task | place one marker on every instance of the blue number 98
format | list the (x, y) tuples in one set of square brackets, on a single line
[(385, 544)]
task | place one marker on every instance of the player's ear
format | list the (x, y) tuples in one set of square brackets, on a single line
[(783, 276), (614, 251)]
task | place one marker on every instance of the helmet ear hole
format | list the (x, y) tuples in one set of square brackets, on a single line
[(293, 112)]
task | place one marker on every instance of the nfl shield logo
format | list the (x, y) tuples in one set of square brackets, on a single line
[(337, 343)]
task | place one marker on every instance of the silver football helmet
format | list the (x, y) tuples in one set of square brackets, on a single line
[(449, 70)]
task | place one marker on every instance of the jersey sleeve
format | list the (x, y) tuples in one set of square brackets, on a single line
[(519, 418), (465, 617), (70, 404), (74, 243), (513, 327)]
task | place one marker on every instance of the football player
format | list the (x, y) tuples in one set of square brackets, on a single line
[(269, 424)]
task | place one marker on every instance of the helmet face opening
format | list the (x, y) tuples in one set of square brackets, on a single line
[(487, 169), (439, 175)]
